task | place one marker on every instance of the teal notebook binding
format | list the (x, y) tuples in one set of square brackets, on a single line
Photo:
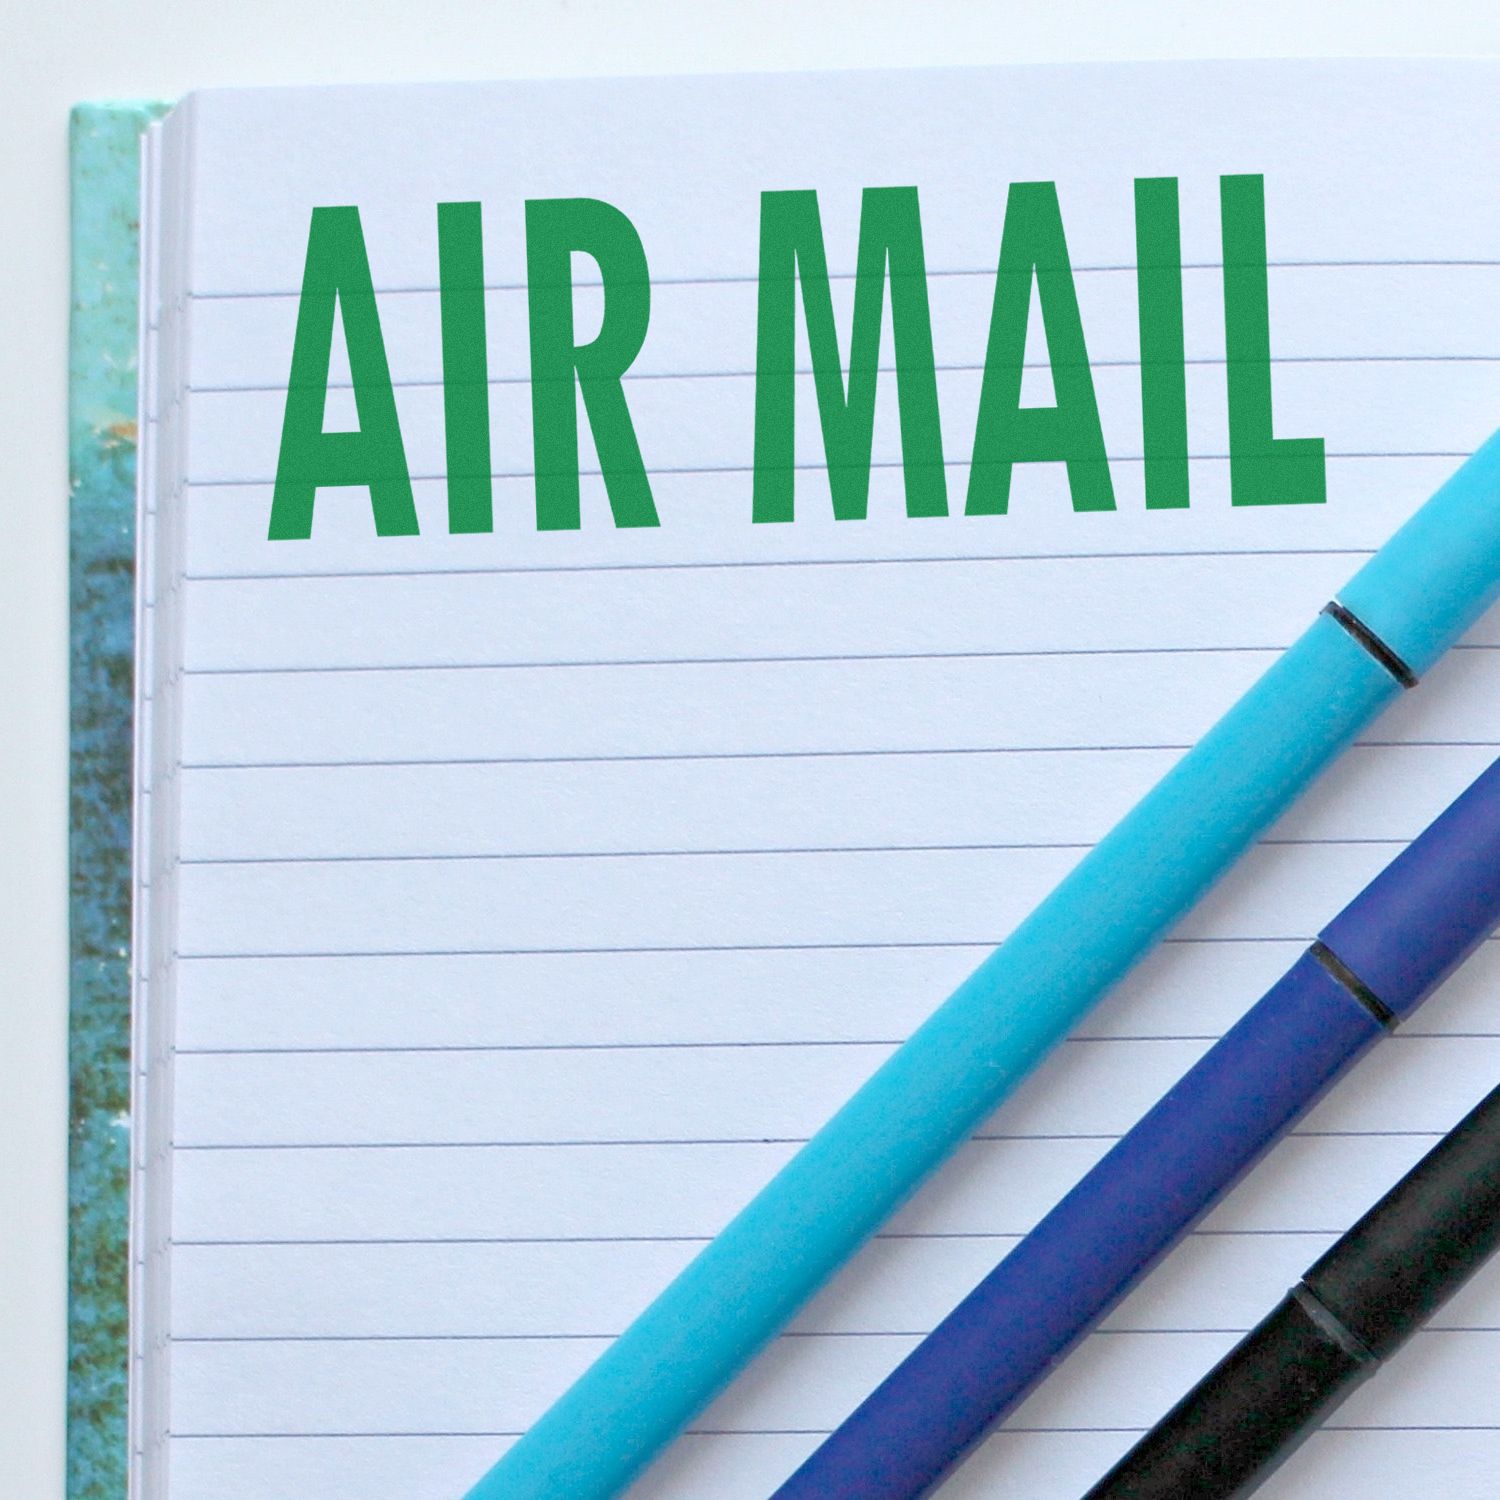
[(105, 168)]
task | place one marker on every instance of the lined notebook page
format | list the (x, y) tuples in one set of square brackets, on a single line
[(540, 893)]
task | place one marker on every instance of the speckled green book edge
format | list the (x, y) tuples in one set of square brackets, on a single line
[(105, 169)]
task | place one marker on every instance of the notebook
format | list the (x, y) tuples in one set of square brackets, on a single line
[(748, 589)]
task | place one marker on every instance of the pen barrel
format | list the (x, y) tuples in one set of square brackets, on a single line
[(1434, 578), (1430, 907), (1247, 1414), (1419, 1244)]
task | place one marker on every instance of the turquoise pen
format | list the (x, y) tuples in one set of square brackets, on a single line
[(1395, 618)]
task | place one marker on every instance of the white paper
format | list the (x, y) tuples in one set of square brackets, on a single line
[(540, 892)]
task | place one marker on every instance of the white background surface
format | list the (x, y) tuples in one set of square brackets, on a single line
[(57, 53)]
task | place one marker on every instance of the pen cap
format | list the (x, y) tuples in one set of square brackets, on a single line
[(1440, 571), (1422, 1241), (1427, 910)]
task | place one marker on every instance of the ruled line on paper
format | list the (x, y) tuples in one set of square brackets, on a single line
[(744, 660), (712, 755), (877, 465), (749, 852), (596, 1336), (775, 755), (503, 1047), (670, 1239), (630, 377), (1406, 1034), (205, 1437), (501, 569), (626, 1143), (791, 1333), (756, 661), (752, 279), (296, 953), (744, 1432), (981, 942)]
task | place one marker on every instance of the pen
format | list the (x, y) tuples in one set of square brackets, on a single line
[(1369, 969), (1392, 622), (1350, 1312)]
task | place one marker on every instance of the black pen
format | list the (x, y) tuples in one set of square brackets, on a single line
[(1352, 1310)]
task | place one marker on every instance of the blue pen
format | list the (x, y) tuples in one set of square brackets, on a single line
[(1370, 968), (1397, 616)]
